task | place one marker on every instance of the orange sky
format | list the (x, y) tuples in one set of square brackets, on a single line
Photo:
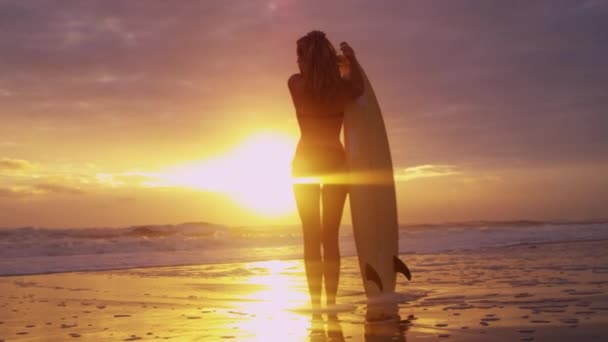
[(486, 119)]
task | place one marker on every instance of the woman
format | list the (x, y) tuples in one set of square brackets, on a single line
[(319, 95)]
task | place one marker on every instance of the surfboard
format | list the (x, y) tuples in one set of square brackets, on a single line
[(372, 195)]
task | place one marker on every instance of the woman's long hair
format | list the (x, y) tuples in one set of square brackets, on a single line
[(319, 66)]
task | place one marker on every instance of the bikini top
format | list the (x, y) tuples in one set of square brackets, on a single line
[(321, 123)]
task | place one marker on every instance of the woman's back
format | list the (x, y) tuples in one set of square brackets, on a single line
[(320, 94), (319, 149), (320, 122)]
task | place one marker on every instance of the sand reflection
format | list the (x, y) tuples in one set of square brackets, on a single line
[(383, 323), (280, 310), (271, 309)]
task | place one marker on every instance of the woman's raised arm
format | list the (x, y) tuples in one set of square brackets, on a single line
[(356, 86)]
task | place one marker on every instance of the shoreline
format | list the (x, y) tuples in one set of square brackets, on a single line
[(461, 251)]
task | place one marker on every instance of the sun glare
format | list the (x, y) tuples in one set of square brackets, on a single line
[(283, 290), (256, 174)]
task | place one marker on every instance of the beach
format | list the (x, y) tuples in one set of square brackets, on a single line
[(555, 291)]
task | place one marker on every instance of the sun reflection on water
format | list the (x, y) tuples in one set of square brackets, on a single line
[(273, 318)]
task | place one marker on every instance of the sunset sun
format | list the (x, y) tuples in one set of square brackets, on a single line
[(256, 174)]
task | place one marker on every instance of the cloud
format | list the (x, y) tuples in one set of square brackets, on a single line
[(425, 171), (48, 179), (8, 164), (465, 81), (15, 192), (39, 190), (63, 178), (50, 188), (482, 179), (127, 178)]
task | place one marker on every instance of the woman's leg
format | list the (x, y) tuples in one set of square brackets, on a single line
[(333, 204), (308, 203)]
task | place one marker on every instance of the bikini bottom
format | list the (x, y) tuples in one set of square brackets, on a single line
[(320, 166)]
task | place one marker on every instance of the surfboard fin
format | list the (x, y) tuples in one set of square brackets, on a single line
[(372, 275), (400, 267)]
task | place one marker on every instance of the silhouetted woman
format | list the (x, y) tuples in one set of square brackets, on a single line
[(319, 94)]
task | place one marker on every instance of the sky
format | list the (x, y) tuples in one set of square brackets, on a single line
[(495, 110)]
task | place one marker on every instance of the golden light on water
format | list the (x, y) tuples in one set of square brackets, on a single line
[(256, 174), (281, 292), (273, 306)]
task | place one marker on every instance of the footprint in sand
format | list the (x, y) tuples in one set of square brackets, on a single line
[(539, 321), (603, 308), (490, 319), (523, 295), (75, 335), (238, 313), (569, 320), (121, 316), (132, 338), (441, 325)]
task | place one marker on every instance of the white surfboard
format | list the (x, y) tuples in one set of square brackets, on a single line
[(373, 202)]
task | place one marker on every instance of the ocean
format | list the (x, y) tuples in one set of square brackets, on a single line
[(31, 250)]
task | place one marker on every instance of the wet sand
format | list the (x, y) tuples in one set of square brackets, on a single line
[(548, 292)]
